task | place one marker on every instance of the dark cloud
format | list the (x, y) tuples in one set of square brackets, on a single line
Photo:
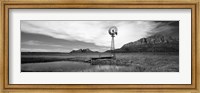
[(163, 26)]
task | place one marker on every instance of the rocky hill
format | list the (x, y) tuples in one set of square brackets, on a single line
[(83, 51)]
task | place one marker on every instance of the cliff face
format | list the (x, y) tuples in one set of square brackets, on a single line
[(164, 41)]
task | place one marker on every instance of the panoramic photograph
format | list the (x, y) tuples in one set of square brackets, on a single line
[(99, 46)]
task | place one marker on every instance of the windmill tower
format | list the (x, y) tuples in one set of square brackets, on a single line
[(113, 31)]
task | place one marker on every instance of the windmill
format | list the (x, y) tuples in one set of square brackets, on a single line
[(113, 31)]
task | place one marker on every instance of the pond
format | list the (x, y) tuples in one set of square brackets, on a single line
[(66, 66)]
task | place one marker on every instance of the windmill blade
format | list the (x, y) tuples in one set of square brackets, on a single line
[(110, 32)]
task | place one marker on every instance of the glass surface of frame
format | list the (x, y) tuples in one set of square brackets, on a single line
[(146, 46), (98, 54)]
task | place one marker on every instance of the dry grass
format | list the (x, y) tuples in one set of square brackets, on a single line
[(140, 62)]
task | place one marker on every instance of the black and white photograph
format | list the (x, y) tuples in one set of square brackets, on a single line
[(99, 46)]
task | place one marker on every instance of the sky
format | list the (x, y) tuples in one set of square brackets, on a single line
[(65, 36)]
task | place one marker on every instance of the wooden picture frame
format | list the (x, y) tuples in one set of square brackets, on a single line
[(92, 88)]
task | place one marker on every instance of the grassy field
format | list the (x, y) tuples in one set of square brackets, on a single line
[(125, 62)]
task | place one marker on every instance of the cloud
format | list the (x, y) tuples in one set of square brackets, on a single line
[(40, 50), (90, 31), (34, 50), (164, 26), (39, 43), (32, 42)]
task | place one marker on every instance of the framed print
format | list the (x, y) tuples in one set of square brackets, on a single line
[(111, 46)]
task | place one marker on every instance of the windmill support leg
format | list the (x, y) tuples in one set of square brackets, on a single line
[(113, 48)]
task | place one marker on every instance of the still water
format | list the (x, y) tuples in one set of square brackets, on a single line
[(65, 66)]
